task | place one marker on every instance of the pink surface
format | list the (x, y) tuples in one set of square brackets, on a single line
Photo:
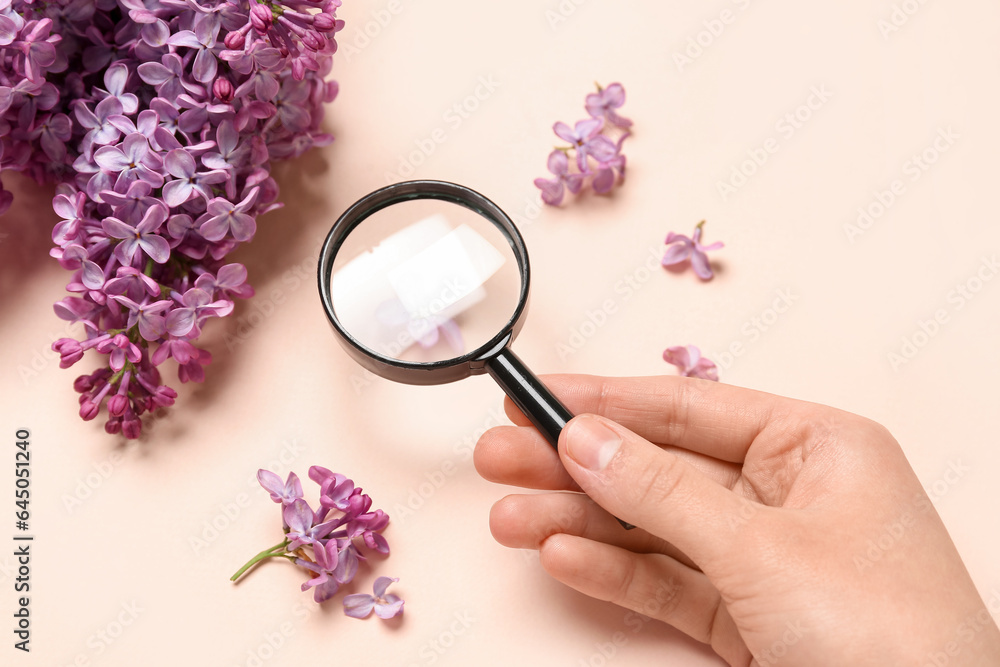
[(127, 569)]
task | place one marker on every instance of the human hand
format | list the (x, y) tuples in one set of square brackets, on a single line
[(761, 513)]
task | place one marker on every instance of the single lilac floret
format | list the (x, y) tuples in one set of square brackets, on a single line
[(385, 605)]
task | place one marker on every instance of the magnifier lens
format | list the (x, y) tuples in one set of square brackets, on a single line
[(425, 281)]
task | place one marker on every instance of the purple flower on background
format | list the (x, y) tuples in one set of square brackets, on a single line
[(146, 316), (385, 605), (140, 237), (324, 584), (197, 305), (691, 249), (327, 543), (597, 157), (121, 349), (285, 492), (115, 79), (603, 103), (690, 363), (187, 181), (118, 104), (132, 283), (203, 41), (130, 161), (581, 137), (230, 281), (222, 217), (553, 189), (100, 130), (302, 528)]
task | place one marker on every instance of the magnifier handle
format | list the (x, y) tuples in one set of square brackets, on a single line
[(532, 397), (529, 394)]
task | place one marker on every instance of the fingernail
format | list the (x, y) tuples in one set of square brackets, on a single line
[(591, 444)]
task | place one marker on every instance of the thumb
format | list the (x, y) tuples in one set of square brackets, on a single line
[(642, 484)]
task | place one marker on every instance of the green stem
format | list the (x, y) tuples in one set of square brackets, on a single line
[(266, 553)]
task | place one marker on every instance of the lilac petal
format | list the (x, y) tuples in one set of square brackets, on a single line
[(179, 163), (93, 276), (293, 486), (214, 229), (699, 262), (205, 66), (603, 181), (155, 33), (588, 129), (359, 605), (180, 321), (243, 227), (156, 247), (564, 132), (602, 148), (558, 162), (232, 275), (151, 221), (552, 190), (381, 584), (111, 158), (271, 483), (326, 555), (115, 78), (718, 245), (707, 370), (325, 591), (8, 30), (125, 250), (185, 38), (679, 356), (393, 606), (177, 192), (677, 253), (318, 474), (64, 206), (154, 73), (347, 566), (151, 327), (614, 95), (298, 516), (574, 182)]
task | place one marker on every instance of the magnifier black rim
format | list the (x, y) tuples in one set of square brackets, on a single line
[(410, 191)]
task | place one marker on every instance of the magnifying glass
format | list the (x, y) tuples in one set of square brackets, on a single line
[(426, 282)]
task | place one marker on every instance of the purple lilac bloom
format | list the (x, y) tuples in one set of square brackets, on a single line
[(684, 249), (603, 103), (285, 492), (158, 121), (385, 605), (328, 543), (595, 146), (690, 363)]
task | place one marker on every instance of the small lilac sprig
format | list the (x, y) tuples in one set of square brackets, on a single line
[(327, 542), (683, 249), (159, 121), (595, 146), (690, 362)]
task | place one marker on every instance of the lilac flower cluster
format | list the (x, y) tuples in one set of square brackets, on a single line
[(158, 120), (596, 157), (326, 541)]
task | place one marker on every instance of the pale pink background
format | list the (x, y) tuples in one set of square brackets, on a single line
[(281, 395)]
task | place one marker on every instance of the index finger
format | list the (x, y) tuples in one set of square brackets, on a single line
[(711, 418)]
